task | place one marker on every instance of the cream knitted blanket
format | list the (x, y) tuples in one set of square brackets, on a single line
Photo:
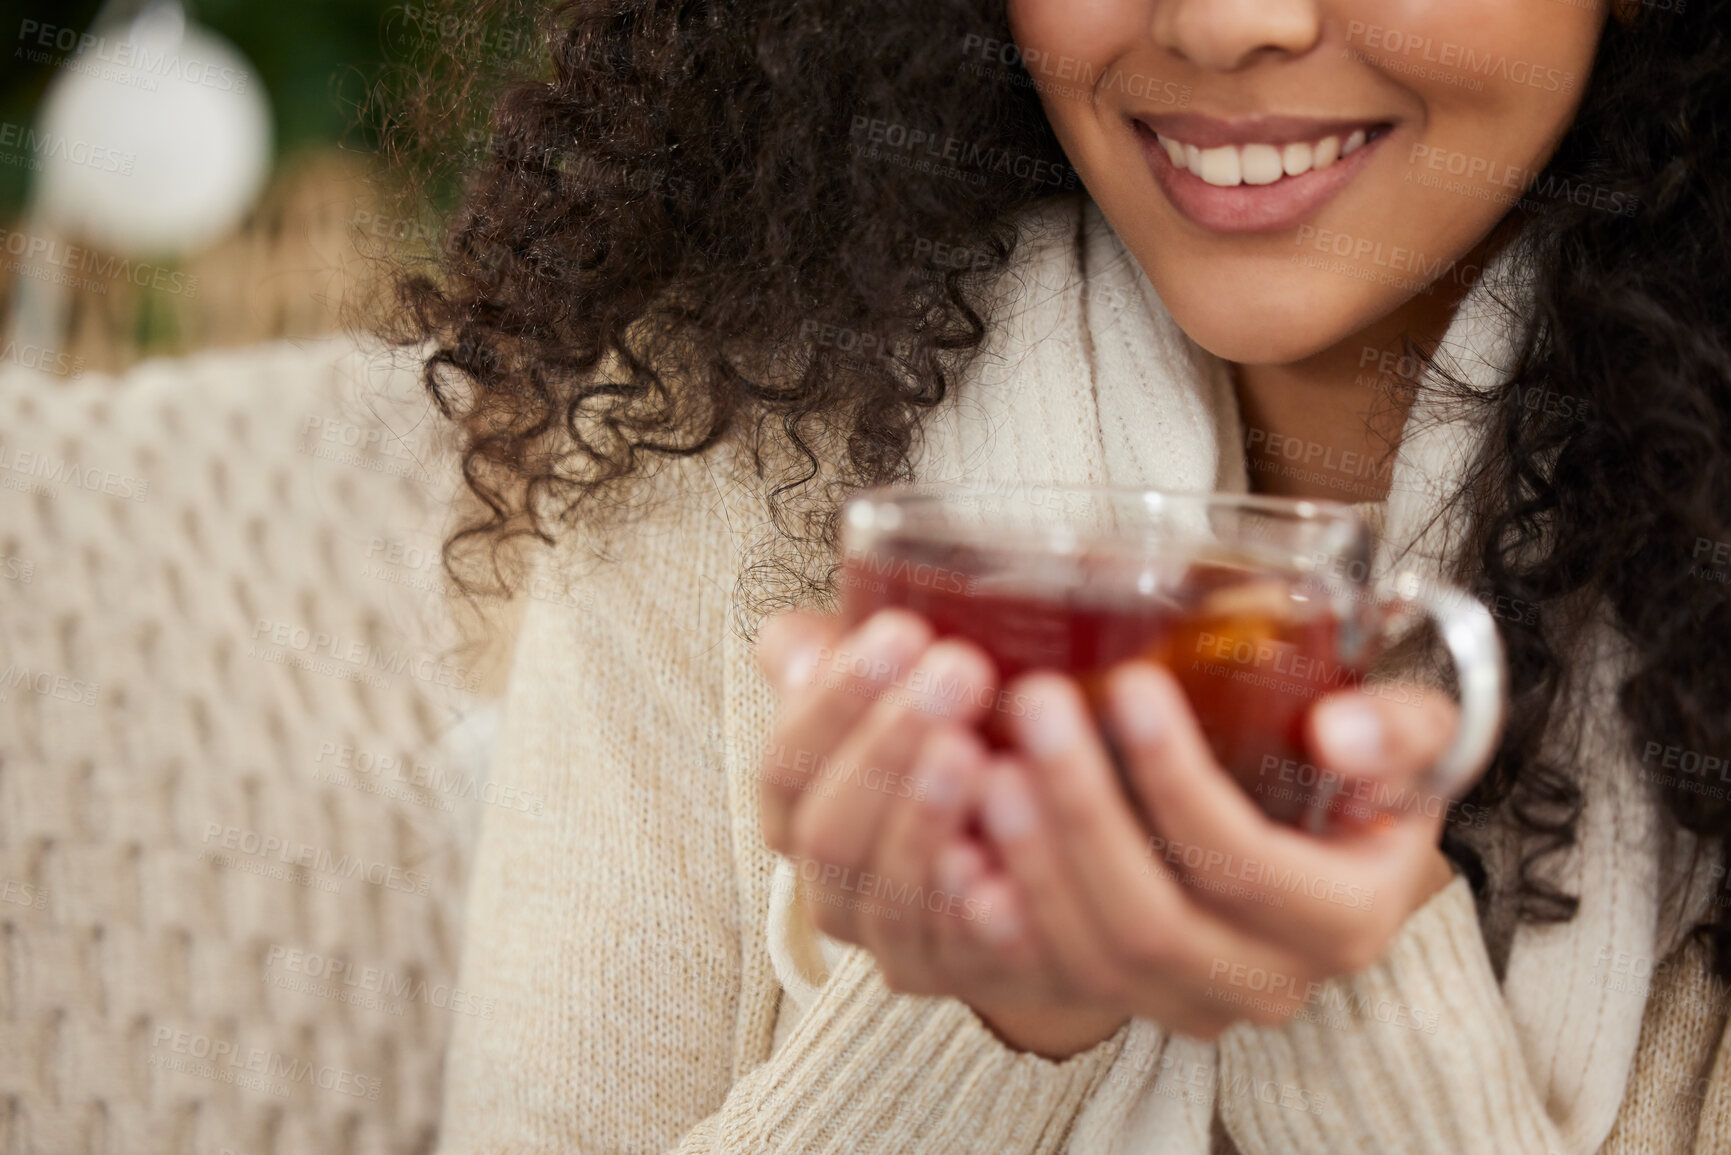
[(1090, 381)]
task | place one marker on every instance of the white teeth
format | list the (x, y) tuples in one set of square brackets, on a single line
[(1260, 164), (1220, 166)]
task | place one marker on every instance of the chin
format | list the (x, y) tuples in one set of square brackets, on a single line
[(1259, 332)]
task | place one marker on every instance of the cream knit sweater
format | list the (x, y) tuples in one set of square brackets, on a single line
[(659, 988)]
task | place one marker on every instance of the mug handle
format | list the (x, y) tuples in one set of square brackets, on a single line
[(1476, 649)]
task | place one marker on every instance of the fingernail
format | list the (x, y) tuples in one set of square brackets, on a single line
[(801, 667), (1136, 706), (940, 777), (878, 645), (1009, 812), (1056, 726), (998, 923), (1352, 730), (954, 870), (942, 679)]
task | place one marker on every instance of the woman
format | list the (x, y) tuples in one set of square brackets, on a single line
[(1458, 264)]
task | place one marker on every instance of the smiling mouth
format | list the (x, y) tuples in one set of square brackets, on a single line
[(1258, 163), (1255, 176)]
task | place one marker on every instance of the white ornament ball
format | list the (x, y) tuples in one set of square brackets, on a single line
[(154, 138)]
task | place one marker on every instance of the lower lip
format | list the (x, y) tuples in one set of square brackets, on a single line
[(1250, 208)]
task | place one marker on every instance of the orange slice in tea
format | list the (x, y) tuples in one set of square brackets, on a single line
[(1233, 625)]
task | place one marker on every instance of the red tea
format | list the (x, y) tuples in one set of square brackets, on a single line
[(1253, 647)]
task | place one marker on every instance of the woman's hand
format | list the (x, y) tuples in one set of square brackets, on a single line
[(1078, 909), (871, 787), (1195, 909)]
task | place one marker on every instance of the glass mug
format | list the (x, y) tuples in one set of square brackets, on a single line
[(1258, 605)]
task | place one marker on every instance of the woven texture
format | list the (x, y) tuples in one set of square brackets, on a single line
[(237, 766)]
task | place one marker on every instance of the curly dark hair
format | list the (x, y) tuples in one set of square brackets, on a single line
[(677, 204)]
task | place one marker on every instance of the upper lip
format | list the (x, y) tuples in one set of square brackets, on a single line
[(1213, 132)]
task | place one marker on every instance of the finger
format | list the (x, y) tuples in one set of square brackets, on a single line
[(1172, 768), (1078, 784), (1313, 896), (1168, 960), (946, 777), (1382, 749), (985, 950), (790, 644), (820, 714), (872, 765), (1046, 892), (1097, 834)]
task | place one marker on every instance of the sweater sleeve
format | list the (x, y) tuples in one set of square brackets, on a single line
[(1416, 1054), (871, 1071), (610, 934)]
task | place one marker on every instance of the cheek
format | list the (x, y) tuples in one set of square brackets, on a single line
[(1086, 31), (1503, 77), (1068, 47), (1498, 85)]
